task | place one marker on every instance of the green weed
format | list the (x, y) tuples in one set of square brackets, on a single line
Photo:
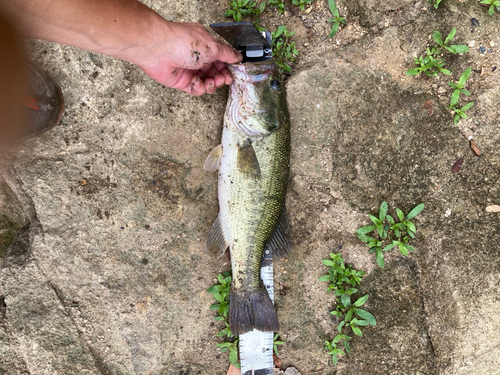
[(221, 293), (493, 4), (386, 230), (459, 88), (336, 20), (278, 4), (435, 3), (429, 63), (302, 3), (343, 280), (242, 8), (276, 343), (284, 51)]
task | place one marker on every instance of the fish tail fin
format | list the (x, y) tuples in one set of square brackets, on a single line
[(249, 309)]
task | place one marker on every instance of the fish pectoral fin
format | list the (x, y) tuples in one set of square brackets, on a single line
[(247, 162), (279, 245), (217, 240), (213, 160)]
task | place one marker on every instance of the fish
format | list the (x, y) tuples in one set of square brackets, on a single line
[(253, 167)]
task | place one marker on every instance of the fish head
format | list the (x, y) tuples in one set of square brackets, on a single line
[(257, 98)]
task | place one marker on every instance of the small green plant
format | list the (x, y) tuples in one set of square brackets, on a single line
[(278, 4), (302, 3), (492, 4), (459, 88), (460, 112), (221, 293), (336, 20), (342, 280), (430, 64), (242, 8), (435, 3), (387, 230), (284, 51), (276, 343)]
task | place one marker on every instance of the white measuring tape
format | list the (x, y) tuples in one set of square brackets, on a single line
[(256, 347)]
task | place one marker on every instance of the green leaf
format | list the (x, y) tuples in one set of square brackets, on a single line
[(335, 28), (366, 316), (382, 212), (375, 220), (413, 72), (464, 77), (445, 71), (380, 258), (415, 211), (359, 322), (345, 299), (467, 106), (325, 278), (454, 97), (400, 213), (341, 325), (215, 306), (361, 301), (356, 330), (214, 289), (457, 48), (411, 226), (348, 316), (389, 247), (366, 229), (403, 249), (450, 36), (457, 119), (436, 35), (328, 262)]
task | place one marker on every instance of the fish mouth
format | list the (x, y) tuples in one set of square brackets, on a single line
[(251, 72)]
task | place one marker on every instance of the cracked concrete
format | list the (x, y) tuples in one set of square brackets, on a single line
[(109, 276)]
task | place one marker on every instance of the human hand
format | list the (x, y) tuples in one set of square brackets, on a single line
[(189, 59)]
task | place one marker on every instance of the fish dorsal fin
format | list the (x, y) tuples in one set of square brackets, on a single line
[(218, 238), (247, 162), (280, 244), (212, 162)]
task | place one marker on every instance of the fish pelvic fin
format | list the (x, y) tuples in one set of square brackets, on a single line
[(218, 239), (279, 245), (213, 160), (249, 309)]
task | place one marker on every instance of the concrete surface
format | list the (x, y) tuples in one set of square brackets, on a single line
[(108, 274)]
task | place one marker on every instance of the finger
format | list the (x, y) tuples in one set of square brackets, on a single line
[(228, 79), (227, 54), (210, 86), (221, 67), (195, 87)]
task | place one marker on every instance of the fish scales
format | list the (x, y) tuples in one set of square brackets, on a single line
[(253, 161)]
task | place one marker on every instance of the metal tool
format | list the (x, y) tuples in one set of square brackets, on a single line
[(246, 38), (256, 347)]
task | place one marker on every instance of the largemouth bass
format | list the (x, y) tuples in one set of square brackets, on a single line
[(253, 164)]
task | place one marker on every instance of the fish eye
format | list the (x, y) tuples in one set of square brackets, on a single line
[(275, 84)]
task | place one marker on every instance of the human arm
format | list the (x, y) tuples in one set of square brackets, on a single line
[(178, 55)]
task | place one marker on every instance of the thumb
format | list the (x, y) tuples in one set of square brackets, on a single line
[(228, 54)]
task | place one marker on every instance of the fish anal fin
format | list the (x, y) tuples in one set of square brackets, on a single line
[(247, 162), (279, 245), (213, 160), (217, 241), (249, 309)]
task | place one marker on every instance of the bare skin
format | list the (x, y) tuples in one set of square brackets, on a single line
[(178, 55)]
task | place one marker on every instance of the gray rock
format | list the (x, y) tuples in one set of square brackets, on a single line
[(109, 275)]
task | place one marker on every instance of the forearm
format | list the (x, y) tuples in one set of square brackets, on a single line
[(125, 29)]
